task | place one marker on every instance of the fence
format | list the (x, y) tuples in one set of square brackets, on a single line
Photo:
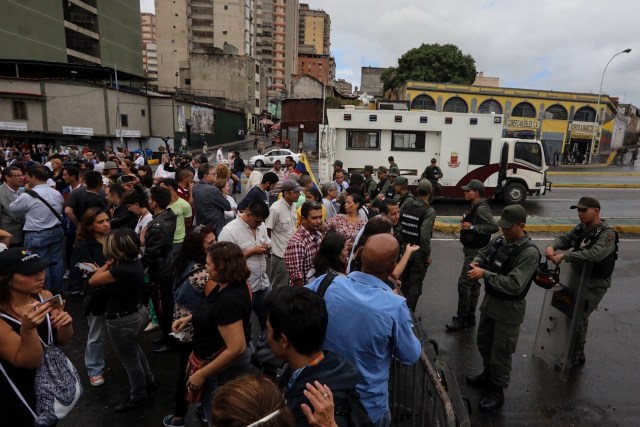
[(424, 394)]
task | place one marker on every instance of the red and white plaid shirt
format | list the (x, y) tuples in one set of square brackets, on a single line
[(298, 257)]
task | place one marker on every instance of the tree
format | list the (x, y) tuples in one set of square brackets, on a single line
[(431, 63)]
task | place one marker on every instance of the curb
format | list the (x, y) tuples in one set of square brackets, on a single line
[(558, 173), (592, 185), (449, 227)]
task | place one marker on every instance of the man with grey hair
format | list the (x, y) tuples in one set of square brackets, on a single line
[(417, 222)]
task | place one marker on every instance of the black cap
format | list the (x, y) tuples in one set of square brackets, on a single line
[(21, 260), (587, 202)]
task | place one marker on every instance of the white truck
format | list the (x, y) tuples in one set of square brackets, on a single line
[(466, 146)]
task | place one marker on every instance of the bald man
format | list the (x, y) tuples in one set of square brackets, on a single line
[(364, 298)]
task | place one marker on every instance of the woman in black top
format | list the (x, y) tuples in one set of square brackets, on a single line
[(22, 324), (87, 256), (223, 353), (126, 317)]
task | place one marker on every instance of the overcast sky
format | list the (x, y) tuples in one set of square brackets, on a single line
[(560, 45)]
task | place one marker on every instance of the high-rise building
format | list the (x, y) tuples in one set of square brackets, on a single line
[(100, 32), (149, 46), (315, 31), (285, 42)]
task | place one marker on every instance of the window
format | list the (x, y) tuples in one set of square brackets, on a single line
[(124, 120), (407, 141), (455, 105), (423, 102), (528, 152), (556, 112), (19, 110), (187, 82), (490, 106), (143, 112), (479, 151), (524, 109), (363, 140), (585, 114)]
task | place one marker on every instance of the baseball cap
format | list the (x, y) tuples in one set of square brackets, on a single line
[(475, 185), (587, 202), (433, 160), (368, 168), (425, 186), (290, 185), (110, 165), (401, 180), (338, 163), (382, 169), (514, 214), (21, 260), (394, 171)]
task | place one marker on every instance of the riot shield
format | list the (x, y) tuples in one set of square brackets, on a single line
[(559, 318)]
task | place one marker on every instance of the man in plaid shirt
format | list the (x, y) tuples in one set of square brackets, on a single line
[(304, 244)]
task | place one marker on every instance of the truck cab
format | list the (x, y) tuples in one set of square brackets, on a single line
[(522, 171)]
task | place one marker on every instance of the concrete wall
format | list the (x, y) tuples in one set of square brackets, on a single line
[(75, 104), (226, 75), (120, 35), (306, 87), (370, 81), (173, 43)]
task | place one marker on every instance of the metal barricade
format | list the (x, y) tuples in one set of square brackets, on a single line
[(424, 395)]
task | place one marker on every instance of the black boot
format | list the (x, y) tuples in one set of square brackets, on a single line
[(481, 380), (457, 324), (578, 359), (492, 400)]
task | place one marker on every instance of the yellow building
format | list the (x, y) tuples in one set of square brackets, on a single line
[(563, 121)]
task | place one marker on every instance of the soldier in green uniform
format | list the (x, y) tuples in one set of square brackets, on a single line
[(476, 228), (402, 193), (369, 183), (592, 240), (506, 266), (383, 183), (433, 173), (417, 221), (394, 173)]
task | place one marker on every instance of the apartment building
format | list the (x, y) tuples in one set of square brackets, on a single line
[(97, 32), (149, 46)]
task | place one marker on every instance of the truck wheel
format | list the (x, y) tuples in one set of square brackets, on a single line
[(515, 193), (259, 164)]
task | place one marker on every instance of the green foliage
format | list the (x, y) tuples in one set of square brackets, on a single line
[(431, 63), (338, 102)]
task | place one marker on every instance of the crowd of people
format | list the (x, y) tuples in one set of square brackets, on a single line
[(171, 250)]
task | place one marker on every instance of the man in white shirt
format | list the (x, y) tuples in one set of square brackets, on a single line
[(254, 177), (138, 159), (219, 155), (281, 224), (43, 226), (250, 233)]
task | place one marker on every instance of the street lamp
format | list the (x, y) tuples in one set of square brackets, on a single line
[(595, 130)]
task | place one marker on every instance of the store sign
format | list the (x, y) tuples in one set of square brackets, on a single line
[(520, 123), (73, 130), (583, 130), (126, 133), (15, 126)]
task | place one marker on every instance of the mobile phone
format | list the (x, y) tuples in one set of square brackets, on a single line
[(55, 302), (86, 268)]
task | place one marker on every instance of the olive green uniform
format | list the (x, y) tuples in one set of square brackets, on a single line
[(500, 319), (604, 246), (413, 275), (469, 290), (369, 187)]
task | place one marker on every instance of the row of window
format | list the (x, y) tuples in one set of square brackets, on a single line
[(479, 149), (523, 109)]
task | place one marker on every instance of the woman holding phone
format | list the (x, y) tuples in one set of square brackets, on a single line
[(24, 320), (122, 275), (88, 257)]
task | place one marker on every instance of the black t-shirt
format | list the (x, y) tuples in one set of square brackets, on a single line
[(89, 200), (126, 292), (220, 308)]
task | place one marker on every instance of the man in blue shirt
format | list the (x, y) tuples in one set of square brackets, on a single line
[(363, 299)]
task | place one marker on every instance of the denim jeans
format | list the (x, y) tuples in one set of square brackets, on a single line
[(49, 245), (125, 338), (94, 354), (385, 421), (242, 365)]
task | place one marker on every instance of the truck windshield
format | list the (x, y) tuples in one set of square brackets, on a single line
[(528, 152)]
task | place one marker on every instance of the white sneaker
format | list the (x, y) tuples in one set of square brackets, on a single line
[(151, 327), (66, 275)]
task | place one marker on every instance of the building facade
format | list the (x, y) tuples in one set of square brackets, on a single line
[(315, 31), (149, 46), (370, 81), (99, 32), (564, 121)]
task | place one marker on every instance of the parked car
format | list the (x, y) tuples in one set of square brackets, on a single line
[(270, 157)]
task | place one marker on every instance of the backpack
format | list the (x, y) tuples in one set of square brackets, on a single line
[(57, 383)]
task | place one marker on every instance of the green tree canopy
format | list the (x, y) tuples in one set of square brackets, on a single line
[(431, 63)]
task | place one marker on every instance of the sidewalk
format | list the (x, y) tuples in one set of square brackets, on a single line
[(598, 175), (451, 224)]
